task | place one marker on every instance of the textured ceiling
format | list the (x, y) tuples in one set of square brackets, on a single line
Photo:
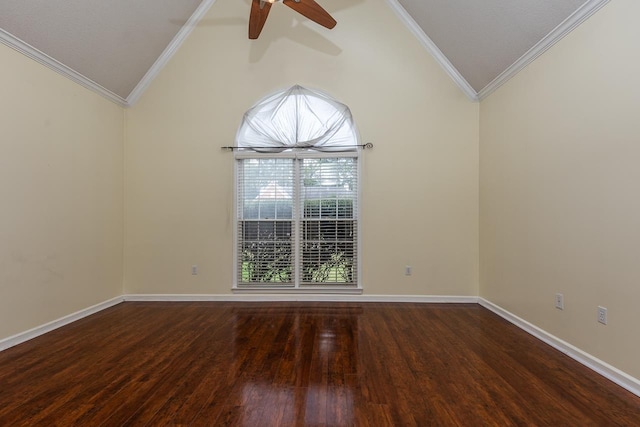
[(114, 44), (481, 39)]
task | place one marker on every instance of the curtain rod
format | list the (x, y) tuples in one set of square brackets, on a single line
[(366, 146)]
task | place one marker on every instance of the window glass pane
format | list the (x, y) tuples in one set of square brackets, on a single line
[(329, 187), (319, 238), (266, 252), (266, 188), (330, 256), (328, 208), (265, 211)]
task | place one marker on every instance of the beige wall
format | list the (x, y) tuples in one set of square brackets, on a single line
[(61, 216), (559, 175), (420, 195), (559, 210)]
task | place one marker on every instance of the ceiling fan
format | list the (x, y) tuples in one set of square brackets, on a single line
[(308, 8)]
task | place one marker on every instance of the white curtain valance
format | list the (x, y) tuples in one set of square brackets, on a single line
[(298, 118)]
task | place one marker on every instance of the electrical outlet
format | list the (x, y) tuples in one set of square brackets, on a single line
[(407, 270), (194, 270), (602, 315), (560, 301)]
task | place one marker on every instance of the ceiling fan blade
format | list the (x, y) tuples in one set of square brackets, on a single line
[(257, 18), (313, 11)]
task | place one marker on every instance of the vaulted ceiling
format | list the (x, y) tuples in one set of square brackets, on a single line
[(116, 47)]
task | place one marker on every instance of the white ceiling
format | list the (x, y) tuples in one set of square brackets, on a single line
[(482, 38), (115, 47), (112, 42)]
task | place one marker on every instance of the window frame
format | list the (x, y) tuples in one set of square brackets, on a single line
[(297, 154)]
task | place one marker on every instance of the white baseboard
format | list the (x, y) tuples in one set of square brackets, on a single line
[(623, 379), (48, 327), (617, 376), (301, 297)]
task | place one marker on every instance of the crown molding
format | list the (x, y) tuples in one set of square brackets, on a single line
[(431, 47), (51, 63), (169, 51), (44, 59), (574, 20), (565, 27)]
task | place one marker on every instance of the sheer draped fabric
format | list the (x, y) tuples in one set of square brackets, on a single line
[(298, 118)]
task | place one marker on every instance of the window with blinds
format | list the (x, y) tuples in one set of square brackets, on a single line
[(297, 221)]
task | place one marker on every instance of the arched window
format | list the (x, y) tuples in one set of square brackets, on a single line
[(297, 170)]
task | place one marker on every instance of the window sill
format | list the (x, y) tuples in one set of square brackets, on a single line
[(304, 290)]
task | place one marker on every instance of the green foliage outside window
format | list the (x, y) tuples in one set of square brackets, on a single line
[(327, 245)]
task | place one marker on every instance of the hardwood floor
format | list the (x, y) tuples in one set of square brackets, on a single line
[(268, 364)]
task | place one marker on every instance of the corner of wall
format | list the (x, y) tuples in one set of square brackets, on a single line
[(124, 195)]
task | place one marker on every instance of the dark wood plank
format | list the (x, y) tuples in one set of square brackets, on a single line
[(290, 364)]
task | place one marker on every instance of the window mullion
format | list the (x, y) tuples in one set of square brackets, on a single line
[(237, 268), (296, 214)]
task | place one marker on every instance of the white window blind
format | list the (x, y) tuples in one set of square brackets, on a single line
[(328, 220), (297, 221), (265, 223)]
